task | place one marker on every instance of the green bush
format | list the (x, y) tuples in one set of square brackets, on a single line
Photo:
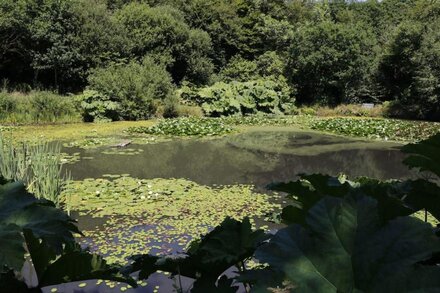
[(242, 98), (137, 87), (48, 106), (97, 107), (7, 105)]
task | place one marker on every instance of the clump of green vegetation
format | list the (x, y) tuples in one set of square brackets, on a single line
[(185, 127), (130, 91), (241, 98), (38, 166), (388, 129), (149, 215), (37, 107)]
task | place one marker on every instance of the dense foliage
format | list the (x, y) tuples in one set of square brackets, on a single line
[(250, 97), (327, 52), (136, 89), (37, 107)]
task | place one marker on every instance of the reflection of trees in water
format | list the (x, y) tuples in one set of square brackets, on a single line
[(206, 162), (371, 163), (218, 162)]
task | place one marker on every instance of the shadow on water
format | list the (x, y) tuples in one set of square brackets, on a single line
[(252, 158)]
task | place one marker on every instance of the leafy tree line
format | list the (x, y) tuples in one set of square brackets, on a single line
[(328, 52)]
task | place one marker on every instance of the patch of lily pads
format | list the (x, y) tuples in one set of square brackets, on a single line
[(157, 216), (90, 143), (185, 127)]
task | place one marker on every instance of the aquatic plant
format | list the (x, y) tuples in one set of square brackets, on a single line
[(388, 129), (46, 179), (157, 215), (38, 166), (185, 127), (14, 162)]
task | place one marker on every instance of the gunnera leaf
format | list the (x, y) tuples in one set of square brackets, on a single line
[(344, 247)]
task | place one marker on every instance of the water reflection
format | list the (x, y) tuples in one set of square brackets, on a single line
[(252, 158)]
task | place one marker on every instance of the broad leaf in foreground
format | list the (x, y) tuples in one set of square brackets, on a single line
[(344, 247), (19, 207), (310, 189), (227, 245), (425, 155), (11, 246)]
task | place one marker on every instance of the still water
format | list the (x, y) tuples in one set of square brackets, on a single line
[(256, 157)]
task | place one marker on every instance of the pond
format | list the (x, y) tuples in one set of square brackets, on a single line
[(156, 198), (256, 157)]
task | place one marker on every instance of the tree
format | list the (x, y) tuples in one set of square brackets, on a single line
[(163, 33), (328, 62)]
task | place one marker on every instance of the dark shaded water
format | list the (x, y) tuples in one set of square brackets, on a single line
[(252, 158)]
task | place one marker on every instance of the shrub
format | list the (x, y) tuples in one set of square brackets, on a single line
[(137, 87), (189, 111), (97, 107), (48, 106), (7, 105), (222, 99), (37, 107), (351, 110)]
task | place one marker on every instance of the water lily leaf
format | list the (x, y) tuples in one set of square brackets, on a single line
[(425, 155)]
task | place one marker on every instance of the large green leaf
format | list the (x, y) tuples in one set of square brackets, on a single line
[(21, 208), (224, 285), (227, 245), (40, 252), (344, 247), (424, 195), (309, 189), (425, 155), (11, 246), (76, 265)]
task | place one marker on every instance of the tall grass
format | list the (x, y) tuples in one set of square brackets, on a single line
[(37, 107), (38, 167)]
